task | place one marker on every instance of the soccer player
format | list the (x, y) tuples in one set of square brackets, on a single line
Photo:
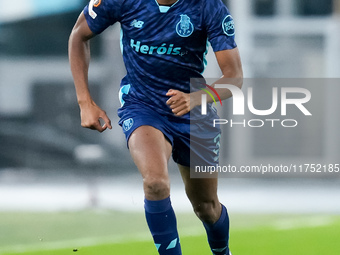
[(164, 43)]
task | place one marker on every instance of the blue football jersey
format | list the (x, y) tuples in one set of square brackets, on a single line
[(163, 47)]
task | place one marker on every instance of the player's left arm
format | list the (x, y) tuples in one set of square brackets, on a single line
[(231, 67)]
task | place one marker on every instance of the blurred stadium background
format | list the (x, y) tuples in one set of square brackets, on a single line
[(49, 164)]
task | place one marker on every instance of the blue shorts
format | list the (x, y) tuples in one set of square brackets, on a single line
[(193, 144)]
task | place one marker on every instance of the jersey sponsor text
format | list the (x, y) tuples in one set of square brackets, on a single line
[(160, 50)]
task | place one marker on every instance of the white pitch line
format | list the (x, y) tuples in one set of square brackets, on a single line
[(86, 242), (74, 244), (308, 221)]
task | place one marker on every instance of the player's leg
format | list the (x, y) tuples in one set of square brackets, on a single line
[(151, 151), (202, 194)]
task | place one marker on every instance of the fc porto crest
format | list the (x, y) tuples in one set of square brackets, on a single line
[(228, 26), (127, 124), (184, 27)]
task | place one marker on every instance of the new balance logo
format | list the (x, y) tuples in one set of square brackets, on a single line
[(137, 23)]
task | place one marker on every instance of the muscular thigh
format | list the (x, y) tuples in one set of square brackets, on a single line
[(150, 151), (199, 189)]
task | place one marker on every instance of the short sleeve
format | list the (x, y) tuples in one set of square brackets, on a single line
[(219, 25), (101, 14)]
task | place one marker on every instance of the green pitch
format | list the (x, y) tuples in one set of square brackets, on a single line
[(96, 233)]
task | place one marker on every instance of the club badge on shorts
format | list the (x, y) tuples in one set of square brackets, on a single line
[(127, 124)]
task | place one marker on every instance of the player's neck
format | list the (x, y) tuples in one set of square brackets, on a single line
[(166, 2)]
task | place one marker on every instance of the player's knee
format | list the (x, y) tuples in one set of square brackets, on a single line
[(156, 188), (206, 211)]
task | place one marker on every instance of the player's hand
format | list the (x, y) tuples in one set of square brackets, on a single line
[(179, 102), (91, 114)]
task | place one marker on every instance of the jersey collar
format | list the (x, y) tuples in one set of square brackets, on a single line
[(165, 9)]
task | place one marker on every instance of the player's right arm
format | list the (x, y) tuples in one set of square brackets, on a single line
[(79, 57)]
